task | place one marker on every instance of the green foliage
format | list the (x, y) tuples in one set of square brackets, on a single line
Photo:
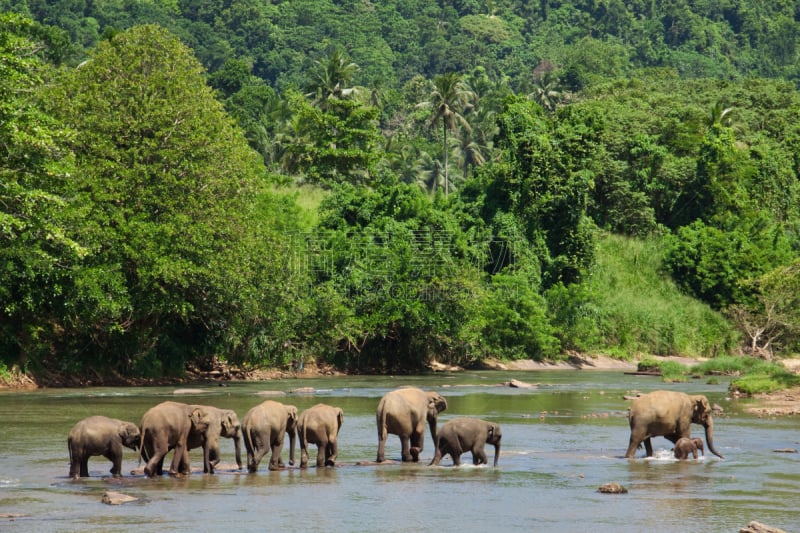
[(714, 264), (769, 380), (542, 179), (515, 324), (39, 248), (168, 184), (670, 371), (137, 222), (642, 311)]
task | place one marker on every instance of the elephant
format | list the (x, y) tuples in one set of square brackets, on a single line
[(668, 414), (222, 423), (685, 446), (320, 425), (264, 427), (100, 435), (166, 427), (403, 412), (464, 434)]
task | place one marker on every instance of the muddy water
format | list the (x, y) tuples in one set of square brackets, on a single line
[(561, 441)]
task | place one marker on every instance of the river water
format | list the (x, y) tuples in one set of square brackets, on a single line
[(561, 441)]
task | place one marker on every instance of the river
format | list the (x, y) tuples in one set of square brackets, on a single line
[(561, 441)]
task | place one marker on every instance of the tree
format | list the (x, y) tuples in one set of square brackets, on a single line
[(546, 91), (331, 78), (449, 98), (167, 181), (40, 252), (335, 144)]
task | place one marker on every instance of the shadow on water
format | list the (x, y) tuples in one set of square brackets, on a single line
[(561, 441)]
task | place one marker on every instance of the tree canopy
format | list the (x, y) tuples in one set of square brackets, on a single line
[(384, 185)]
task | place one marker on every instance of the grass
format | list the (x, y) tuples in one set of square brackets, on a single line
[(308, 198), (643, 309), (753, 375)]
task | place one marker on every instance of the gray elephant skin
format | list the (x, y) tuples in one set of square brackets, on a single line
[(669, 414), (263, 428), (465, 434), (320, 425), (222, 423), (166, 427), (403, 412), (100, 435)]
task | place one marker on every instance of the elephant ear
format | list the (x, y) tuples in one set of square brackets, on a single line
[(700, 408), (199, 418)]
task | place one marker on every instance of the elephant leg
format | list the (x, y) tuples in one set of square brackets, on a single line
[(85, 466), (634, 442), (275, 460), (332, 452), (259, 455), (303, 453), (179, 451), (75, 467), (417, 441), (478, 456), (321, 451), (155, 465), (381, 448), (406, 451), (116, 462), (648, 447), (456, 455)]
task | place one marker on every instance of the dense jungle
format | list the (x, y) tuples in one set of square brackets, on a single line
[(389, 186)]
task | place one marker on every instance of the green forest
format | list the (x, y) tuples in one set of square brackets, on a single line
[(378, 186)]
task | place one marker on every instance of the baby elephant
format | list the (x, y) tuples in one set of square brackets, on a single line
[(464, 434), (685, 446), (100, 435)]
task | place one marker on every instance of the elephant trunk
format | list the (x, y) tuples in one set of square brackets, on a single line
[(432, 424), (496, 452), (238, 446), (709, 426)]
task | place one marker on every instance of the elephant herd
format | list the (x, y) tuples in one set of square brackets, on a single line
[(178, 427)]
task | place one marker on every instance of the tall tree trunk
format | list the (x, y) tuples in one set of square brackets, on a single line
[(444, 152)]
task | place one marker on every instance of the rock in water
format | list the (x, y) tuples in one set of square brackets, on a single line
[(758, 527), (111, 497), (612, 488)]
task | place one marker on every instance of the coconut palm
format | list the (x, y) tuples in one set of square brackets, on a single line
[(546, 91), (449, 99), (331, 78), (474, 146)]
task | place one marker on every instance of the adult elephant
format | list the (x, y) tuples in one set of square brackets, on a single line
[(166, 427), (100, 435), (403, 412), (668, 414), (465, 434), (320, 425), (263, 428), (222, 423)]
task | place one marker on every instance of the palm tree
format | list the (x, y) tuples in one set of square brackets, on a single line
[(546, 91), (451, 97), (475, 144), (719, 115), (331, 78)]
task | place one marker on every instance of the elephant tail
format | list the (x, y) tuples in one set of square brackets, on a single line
[(382, 432)]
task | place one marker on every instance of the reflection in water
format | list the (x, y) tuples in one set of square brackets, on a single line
[(561, 441)]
